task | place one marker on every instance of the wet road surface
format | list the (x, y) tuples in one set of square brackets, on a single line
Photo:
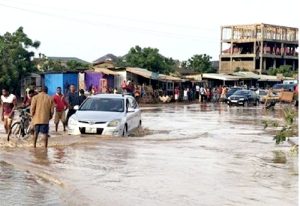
[(191, 155)]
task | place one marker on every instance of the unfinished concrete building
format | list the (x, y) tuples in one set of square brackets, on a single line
[(257, 47)]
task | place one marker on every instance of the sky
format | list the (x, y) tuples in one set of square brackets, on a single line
[(180, 29)]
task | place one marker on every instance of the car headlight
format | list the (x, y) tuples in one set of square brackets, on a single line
[(242, 99), (114, 123), (72, 122)]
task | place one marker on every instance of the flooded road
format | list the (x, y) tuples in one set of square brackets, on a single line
[(191, 155)]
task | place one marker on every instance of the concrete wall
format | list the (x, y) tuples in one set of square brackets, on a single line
[(229, 67)]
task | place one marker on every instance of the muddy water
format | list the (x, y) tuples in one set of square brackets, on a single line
[(188, 155)]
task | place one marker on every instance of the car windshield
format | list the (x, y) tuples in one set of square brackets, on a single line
[(103, 105), (234, 89), (242, 92)]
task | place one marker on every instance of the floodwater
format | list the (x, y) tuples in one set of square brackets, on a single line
[(187, 155)]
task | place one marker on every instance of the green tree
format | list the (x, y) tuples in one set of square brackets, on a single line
[(285, 70), (287, 127), (16, 57), (76, 65), (47, 65), (200, 63), (148, 58), (239, 69), (184, 64)]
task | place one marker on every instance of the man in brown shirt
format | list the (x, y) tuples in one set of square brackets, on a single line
[(42, 109)]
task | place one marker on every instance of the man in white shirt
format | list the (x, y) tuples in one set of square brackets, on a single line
[(197, 91), (202, 94)]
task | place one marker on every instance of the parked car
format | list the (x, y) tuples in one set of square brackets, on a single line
[(261, 94), (243, 97), (106, 114)]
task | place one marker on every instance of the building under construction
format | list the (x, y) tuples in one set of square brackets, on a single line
[(257, 47)]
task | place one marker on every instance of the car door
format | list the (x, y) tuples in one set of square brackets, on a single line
[(136, 113), (129, 114)]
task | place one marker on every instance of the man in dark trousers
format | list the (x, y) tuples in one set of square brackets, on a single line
[(73, 100), (41, 110), (82, 96)]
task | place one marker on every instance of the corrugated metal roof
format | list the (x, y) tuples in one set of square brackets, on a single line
[(249, 75), (151, 75), (169, 78), (224, 77), (141, 72), (105, 71), (259, 77)]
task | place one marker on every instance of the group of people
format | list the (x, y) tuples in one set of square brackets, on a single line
[(42, 107), (135, 90), (202, 93)]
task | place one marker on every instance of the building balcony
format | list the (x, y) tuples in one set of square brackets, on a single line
[(265, 55), (237, 55), (276, 56), (247, 40)]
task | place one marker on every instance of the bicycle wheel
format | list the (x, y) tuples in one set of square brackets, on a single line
[(15, 131), (27, 132)]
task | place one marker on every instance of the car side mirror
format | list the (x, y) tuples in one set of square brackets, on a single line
[(76, 107), (130, 109)]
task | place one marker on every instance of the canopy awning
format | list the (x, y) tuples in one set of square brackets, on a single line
[(260, 77), (223, 77), (268, 78)]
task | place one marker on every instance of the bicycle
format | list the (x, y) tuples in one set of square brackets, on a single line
[(21, 129)]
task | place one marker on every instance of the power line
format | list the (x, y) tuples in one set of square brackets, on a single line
[(107, 25), (115, 17), (112, 26)]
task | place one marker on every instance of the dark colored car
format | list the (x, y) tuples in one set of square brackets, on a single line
[(243, 97), (232, 90)]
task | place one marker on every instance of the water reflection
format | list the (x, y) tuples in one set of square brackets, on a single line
[(40, 156), (59, 154)]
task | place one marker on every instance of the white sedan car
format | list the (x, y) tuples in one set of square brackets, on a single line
[(106, 114)]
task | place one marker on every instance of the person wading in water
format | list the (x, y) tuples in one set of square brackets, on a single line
[(41, 110), (60, 107), (9, 102)]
